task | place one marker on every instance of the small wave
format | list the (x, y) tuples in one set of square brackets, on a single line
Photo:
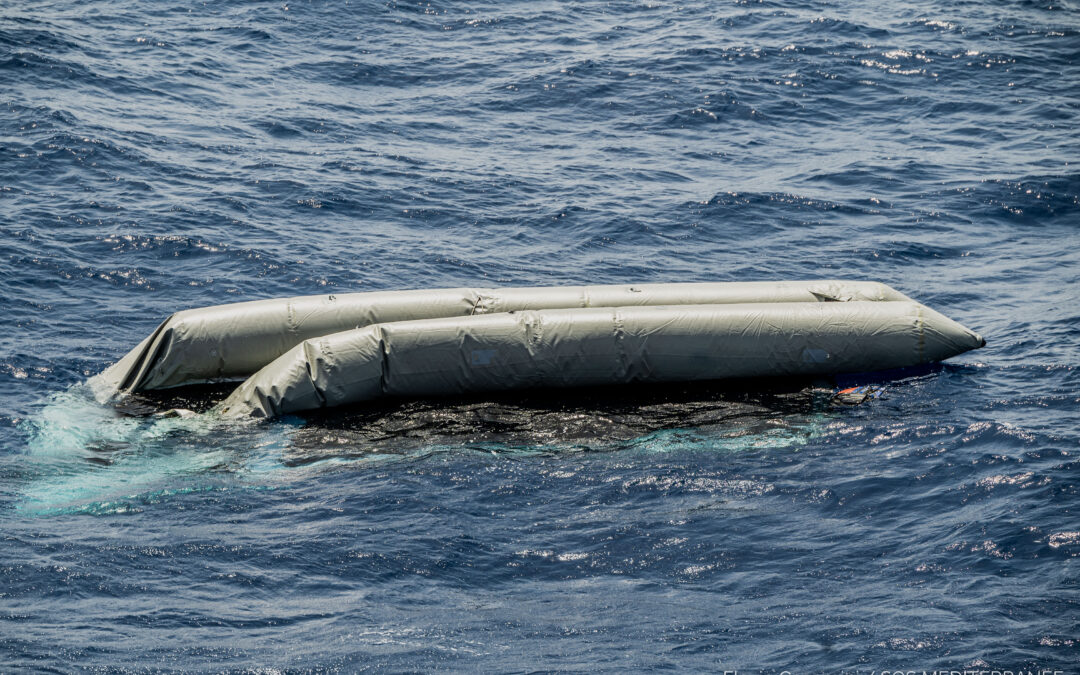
[(1059, 539), (715, 112)]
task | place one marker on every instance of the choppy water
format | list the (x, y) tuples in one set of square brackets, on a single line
[(156, 156)]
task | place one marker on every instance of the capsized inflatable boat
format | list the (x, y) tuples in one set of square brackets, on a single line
[(310, 352)]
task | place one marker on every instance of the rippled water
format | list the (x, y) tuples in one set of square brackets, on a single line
[(157, 156)]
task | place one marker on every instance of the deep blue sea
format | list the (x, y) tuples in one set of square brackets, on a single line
[(156, 156)]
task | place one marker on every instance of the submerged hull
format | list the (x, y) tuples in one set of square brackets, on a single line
[(598, 346)]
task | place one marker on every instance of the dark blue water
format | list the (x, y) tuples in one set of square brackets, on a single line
[(163, 155)]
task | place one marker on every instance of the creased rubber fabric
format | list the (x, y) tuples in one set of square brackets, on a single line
[(598, 346), (231, 342)]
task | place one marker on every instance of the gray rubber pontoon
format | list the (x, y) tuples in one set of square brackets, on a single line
[(311, 352), (231, 342), (598, 346)]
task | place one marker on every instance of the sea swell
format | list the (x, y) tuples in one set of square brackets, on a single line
[(155, 157)]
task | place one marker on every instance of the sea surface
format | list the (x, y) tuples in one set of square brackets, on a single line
[(156, 156)]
